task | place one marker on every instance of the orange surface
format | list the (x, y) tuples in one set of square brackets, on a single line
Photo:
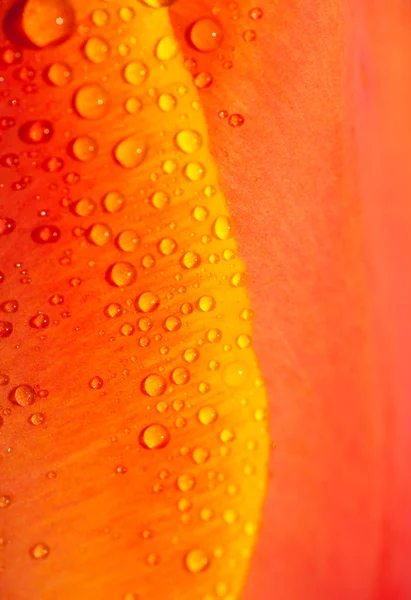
[(310, 177)]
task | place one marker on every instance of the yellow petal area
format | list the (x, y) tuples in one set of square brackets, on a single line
[(134, 449)]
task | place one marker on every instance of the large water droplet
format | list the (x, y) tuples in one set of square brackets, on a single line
[(154, 385), (23, 395), (206, 35), (188, 140), (122, 274), (47, 22)]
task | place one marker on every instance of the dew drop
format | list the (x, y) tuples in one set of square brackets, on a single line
[(167, 48), (157, 3), (127, 329), (10, 160), (222, 228), (37, 132), (200, 213), (166, 102), (37, 418), (155, 436), (40, 551), (84, 148), (159, 200), (194, 171), (203, 79), (190, 260), (47, 234), (147, 302), (99, 234), (167, 246), (4, 379), (126, 14), (59, 74), (185, 482), (200, 455), (154, 385), (113, 310), (206, 35), (135, 72), (91, 101), (196, 561), (96, 383), (188, 140), (113, 201), (255, 13), (207, 415), (180, 376), (131, 152), (47, 22), (96, 49), (40, 321), (172, 323), (122, 273), (84, 207), (133, 105), (206, 303), (236, 120), (23, 395), (6, 329), (5, 501), (249, 35), (100, 17), (128, 240), (191, 355)]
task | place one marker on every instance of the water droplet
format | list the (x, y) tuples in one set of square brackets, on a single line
[(133, 105), (135, 72), (188, 140), (99, 234), (191, 355), (37, 132), (200, 213), (155, 436), (113, 310), (84, 148), (190, 260), (131, 151), (243, 341), (227, 435), (169, 166), (100, 17), (127, 329), (10, 160), (122, 274), (5, 501), (236, 120), (147, 302), (167, 246), (206, 35), (4, 379), (159, 200), (37, 418), (255, 14), (23, 395), (40, 551), (154, 385), (194, 171), (40, 321), (59, 74), (207, 415), (200, 455), (180, 376), (166, 102), (113, 201), (185, 482), (6, 329), (91, 101), (214, 335), (222, 228), (249, 35), (128, 240), (47, 22), (167, 48), (196, 561), (203, 80), (206, 303), (96, 49), (96, 383), (172, 323), (47, 234), (84, 207)]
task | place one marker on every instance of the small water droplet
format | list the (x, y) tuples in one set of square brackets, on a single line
[(40, 551), (190, 260), (236, 120), (59, 74), (180, 376), (207, 415), (206, 303), (99, 234), (135, 72), (196, 561), (96, 49), (96, 383), (47, 234), (84, 148), (113, 201), (167, 48), (188, 140), (128, 240), (6, 329), (37, 132), (147, 302), (166, 102)]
